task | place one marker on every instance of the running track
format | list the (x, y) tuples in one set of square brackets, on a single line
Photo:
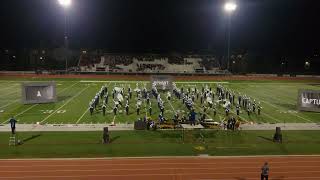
[(217, 168)]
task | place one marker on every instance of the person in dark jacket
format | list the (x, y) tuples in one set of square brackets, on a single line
[(265, 171), (13, 122)]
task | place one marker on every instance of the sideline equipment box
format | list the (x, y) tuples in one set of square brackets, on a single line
[(38, 92), (309, 100)]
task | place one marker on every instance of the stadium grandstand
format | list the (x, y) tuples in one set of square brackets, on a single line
[(149, 63)]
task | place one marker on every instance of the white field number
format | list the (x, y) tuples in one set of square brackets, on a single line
[(51, 111)]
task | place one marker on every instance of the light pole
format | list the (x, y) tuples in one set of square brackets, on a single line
[(229, 7), (65, 4)]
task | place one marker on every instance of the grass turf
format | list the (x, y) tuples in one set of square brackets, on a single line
[(158, 143), (278, 99)]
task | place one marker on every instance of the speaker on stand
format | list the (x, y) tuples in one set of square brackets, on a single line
[(106, 136), (278, 135)]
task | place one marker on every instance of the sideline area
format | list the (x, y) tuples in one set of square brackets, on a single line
[(121, 127), (158, 143)]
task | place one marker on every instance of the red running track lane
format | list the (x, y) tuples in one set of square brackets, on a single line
[(193, 168)]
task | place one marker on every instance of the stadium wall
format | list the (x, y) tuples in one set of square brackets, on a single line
[(146, 76)]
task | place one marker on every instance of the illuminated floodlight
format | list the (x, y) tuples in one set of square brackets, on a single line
[(65, 3), (230, 6)]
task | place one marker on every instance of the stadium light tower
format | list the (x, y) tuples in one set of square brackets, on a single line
[(229, 8), (65, 4)]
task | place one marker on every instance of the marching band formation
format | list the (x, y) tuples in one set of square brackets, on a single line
[(204, 99)]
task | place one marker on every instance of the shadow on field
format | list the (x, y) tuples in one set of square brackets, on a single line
[(114, 138), (30, 138), (265, 138), (62, 98)]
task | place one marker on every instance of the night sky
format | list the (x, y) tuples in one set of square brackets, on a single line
[(162, 25)]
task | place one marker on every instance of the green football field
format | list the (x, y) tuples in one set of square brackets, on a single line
[(278, 100)]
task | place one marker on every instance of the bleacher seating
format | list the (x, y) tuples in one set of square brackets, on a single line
[(147, 63)]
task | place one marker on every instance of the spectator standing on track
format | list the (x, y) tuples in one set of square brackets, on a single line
[(265, 171)]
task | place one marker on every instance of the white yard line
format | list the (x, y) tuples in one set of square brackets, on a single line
[(82, 116), (277, 107), (270, 117), (9, 87), (34, 104), (114, 118), (171, 106), (10, 93), (68, 87), (20, 113), (58, 93), (19, 98), (203, 111), (108, 86), (9, 104), (64, 104)]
